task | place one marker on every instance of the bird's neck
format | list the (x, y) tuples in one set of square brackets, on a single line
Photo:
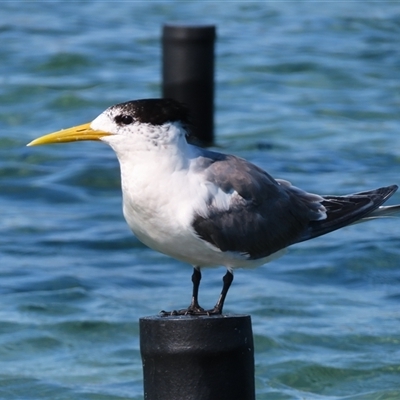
[(156, 158), (152, 182)]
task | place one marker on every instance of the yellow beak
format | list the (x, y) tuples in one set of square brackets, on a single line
[(81, 132)]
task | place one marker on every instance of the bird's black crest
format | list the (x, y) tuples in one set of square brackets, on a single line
[(154, 111)]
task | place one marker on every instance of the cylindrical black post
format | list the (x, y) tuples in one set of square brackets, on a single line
[(188, 74), (197, 357)]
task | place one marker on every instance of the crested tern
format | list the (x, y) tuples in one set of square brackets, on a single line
[(207, 208)]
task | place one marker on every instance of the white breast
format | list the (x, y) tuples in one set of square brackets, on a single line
[(163, 189)]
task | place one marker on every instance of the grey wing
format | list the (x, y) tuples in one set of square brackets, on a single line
[(264, 216), (267, 215)]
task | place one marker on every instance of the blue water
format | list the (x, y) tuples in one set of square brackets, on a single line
[(308, 90)]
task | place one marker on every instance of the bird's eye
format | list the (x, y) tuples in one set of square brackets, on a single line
[(123, 119)]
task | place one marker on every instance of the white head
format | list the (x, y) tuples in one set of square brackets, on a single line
[(143, 124)]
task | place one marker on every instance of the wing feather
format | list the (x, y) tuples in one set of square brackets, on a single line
[(266, 215)]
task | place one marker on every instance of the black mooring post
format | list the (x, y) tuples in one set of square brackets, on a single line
[(197, 357), (188, 74)]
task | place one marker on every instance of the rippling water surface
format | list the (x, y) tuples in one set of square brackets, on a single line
[(309, 91)]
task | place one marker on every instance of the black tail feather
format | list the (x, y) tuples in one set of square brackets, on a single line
[(345, 210)]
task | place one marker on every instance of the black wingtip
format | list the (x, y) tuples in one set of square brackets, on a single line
[(345, 210)]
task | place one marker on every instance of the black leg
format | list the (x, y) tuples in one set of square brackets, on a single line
[(227, 280), (194, 308)]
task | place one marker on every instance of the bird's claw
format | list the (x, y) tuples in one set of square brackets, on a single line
[(192, 311)]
